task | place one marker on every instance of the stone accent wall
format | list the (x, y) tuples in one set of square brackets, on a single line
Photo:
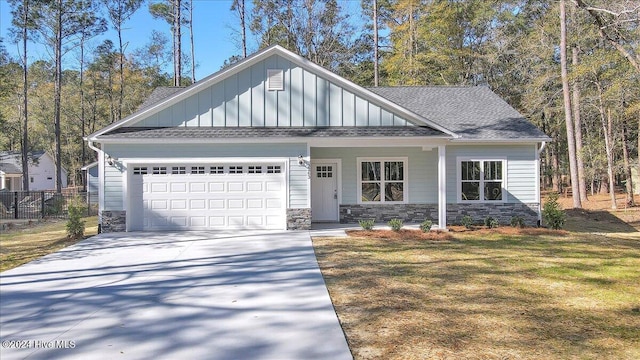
[(501, 212), (410, 213), (299, 219), (416, 213), (113, 221)]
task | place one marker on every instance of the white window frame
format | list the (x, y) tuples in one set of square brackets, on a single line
[(482, 160), (382, 160)]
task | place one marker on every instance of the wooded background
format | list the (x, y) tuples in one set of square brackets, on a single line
[(571, 66)]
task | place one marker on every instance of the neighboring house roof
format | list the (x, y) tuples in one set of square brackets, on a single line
[(249, 132), (15, 158), (473, 112), (8, 168), (158, 94)]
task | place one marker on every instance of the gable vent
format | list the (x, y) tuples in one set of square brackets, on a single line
[(275, 79)]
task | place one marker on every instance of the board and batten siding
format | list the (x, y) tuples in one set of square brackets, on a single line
[(423, 170), (521, 169), (297, 176), (242, 99)]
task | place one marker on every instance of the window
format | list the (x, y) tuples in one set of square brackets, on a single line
[(324, 171), (140, 170), (177, 170), (274, 169), (216, 170), (254, 169), (382, 181), (31, 179), (235, 169), (197, 169), (159, 170), (481, 180)]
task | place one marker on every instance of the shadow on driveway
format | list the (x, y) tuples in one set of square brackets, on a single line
[(173, 295)]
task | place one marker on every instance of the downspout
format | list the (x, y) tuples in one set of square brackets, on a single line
[(100, 180), (543, 144)]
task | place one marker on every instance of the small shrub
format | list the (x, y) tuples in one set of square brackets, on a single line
[(395, 224), (425, 226), (366, 224), (467, 221), (552, 214), (75, 224), (517, 222), (491, 222)]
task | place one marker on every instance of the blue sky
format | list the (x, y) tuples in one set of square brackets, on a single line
[(213, 34)]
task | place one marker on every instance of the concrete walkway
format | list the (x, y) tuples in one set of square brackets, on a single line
[(188, 295)]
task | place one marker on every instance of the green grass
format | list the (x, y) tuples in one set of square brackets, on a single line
[(20, 246), (487, 296)]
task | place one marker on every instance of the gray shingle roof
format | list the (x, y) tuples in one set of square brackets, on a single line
[(255, 132), (473, 112), (8, 168), (158, 94)]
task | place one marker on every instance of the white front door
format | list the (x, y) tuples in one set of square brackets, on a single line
[(324, 191)]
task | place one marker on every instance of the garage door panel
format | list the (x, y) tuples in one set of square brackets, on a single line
[(235, 204), (197, 204), (216, 204), (254, 186), (159, 187), (200, 201), (216, 187), (197, 187), (235, 186), (178, 187), (254, 203), (178, 204)]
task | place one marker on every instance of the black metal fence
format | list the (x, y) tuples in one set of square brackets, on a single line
[(41, 204)]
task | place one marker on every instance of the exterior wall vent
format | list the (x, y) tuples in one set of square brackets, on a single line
[(275, 79)]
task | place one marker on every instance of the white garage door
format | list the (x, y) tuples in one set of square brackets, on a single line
[(205, 197)]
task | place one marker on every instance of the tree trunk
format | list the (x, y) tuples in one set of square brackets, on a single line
[(627, 165), (375, 44), (607, 125), (82, 121), (25, 101), (177, 43), (575, 190), (582, 183), (120, 100), (193, 50), (56, 93)]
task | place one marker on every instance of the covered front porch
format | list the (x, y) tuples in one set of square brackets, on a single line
[(379, 180)]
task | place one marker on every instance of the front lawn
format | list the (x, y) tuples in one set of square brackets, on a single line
[(486, 296), (20, 246)]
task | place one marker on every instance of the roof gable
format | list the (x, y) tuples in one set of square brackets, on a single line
[(238, 97)]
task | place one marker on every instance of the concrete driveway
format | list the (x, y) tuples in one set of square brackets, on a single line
[(188, 295)]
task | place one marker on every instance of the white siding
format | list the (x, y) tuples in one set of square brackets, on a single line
[(243, 100)]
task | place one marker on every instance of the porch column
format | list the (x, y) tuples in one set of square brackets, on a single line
[(442, 187)]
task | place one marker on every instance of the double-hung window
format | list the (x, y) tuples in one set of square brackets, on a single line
[(382, 180), (481, 180)]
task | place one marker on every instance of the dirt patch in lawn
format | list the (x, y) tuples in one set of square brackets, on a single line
[(478, 295)]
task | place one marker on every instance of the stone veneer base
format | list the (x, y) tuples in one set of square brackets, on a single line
[(299, 219), (113, 221), (416, 213)]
